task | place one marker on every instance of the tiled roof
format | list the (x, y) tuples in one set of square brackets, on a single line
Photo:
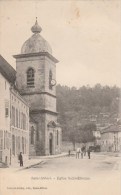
[(7, 70), (111, 128)]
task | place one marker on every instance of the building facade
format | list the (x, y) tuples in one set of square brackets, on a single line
[(111, 139), (19, 126), (36, 81), (28, 102), (14, 117), (5, 133)]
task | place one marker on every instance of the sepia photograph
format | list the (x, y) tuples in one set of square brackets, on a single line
[(60, 97)]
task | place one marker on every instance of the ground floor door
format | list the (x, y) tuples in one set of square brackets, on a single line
[(51, 143)]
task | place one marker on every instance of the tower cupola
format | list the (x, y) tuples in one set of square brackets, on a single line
[(36, 43)]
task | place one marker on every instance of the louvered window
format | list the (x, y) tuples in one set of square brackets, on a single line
[(30, 77)]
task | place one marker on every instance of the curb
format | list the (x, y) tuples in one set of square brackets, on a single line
[(42, 161), (48, 157), (30, 166)]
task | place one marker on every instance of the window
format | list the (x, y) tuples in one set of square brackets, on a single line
[(6, 108), (7, 140), (16, 118), (50, 79), (19, 119), (57, 137), (4, 139), (6, 112), (24, 121), (13, 144), (30, 77), (23, 145), (13, 116), (17, 144)]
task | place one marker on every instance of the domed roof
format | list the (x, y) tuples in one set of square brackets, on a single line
[(36, 43)]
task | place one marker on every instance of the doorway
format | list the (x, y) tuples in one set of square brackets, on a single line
[(10, 156), (51, 143)]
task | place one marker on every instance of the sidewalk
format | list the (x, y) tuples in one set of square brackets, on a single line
[(35, 160)]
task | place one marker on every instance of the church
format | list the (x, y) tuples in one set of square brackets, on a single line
[(35, 82)]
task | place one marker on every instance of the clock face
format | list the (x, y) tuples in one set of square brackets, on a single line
[(53, 82)]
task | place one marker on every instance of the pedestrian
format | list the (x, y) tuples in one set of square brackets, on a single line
[(77, 152), (21, 159), (85, 151), (69, 152), (82, 152), (88, 152)]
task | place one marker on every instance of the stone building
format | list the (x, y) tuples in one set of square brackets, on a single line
[(14, 117), (36, 82), (28, 116), (111, 138), (19, 126), (5, 134)]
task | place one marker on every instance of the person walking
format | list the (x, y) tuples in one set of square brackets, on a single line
[(69, 152), (77, 152), (21, 159), (88, 152), (82, 152)]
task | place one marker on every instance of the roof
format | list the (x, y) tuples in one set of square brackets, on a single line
[(36, 43), (53, 124), (7, 70), (111, 129)]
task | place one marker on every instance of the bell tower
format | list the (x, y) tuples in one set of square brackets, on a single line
[(36, 81)]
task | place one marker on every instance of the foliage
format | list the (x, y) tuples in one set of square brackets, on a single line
[(77, 106)]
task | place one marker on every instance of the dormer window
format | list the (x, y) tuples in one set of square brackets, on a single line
[(30, 77)]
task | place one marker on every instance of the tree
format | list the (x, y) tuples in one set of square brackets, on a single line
[(76, 106), (74, 137), (86, 136), (86, 132)]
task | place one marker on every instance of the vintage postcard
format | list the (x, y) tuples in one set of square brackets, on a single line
[(60, 85)]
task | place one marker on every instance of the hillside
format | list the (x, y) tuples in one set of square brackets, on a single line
[(98, 104)]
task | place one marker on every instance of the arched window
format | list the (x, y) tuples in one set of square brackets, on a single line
[(30, 77), (50, 79)]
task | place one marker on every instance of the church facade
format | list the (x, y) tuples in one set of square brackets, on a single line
[(36, 82), (28, 105)]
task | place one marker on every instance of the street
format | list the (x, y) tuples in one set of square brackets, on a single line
[(99, 175), (97, 166)]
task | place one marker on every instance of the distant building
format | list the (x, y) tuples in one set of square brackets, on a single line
[(111, 138), (97, 137)]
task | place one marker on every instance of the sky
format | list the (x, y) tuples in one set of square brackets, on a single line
[(85, 37)]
